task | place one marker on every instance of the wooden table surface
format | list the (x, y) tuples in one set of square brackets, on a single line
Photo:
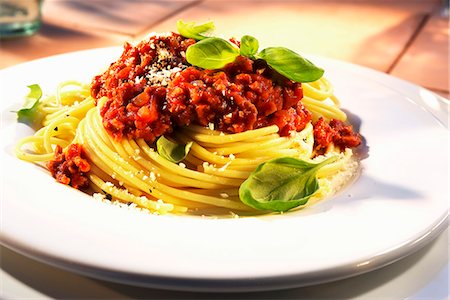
[(406, 38)]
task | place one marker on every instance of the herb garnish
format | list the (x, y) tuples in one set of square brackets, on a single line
[(281, 184), (290, 64), (172, 151), (211, 53), (192, 31), (249, 46), (215, 53), (30, 113)]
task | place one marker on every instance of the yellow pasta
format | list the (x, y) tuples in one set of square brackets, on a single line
[(206, 181)]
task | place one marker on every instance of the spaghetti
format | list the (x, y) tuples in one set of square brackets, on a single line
[(207, 180)]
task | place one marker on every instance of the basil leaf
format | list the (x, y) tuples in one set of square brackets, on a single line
[(281, 184), (249, 46), (190, 30), (30, 113), (290, 64), (172, 151), (211, 53)]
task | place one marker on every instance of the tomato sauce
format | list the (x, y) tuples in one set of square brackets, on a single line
[(241, 97), (245, 95), (70, 167), (336, 132)]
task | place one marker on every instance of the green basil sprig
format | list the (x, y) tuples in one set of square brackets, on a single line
[(249, 46), (211, 53), (172, 151), (281, 184), (214, 53), (290, 64), (31, 112), (192, 31)]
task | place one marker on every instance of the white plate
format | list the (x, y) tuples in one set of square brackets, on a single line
[(398, 204)]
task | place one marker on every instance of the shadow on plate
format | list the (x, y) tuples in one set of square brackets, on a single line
[(363, 150)]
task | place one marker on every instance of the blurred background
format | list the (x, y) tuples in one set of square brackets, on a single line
[(406, 38)]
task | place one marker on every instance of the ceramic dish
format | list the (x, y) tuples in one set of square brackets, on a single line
[(398, 203)]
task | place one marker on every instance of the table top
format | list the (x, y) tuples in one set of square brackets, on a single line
[(408, 39)]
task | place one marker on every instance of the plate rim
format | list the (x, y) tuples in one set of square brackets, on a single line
[(257, 284), (384, 260)]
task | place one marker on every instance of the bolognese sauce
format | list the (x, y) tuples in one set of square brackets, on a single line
[(151, 89), (336, 132), (70, 167)]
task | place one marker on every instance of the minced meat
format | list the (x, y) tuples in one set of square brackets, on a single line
[(151, 89), (70, 167), (336, 132)]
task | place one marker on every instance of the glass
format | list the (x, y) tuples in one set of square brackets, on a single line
[(19, 17), (445, 8)]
